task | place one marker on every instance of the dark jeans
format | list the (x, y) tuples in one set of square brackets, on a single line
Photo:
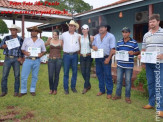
[(128, 76), (54, 67), (70, 60), (154, 74), (6, 69), (85, 66), (103, 72)]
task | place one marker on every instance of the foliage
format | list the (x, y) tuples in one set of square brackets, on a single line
[(3, 27), (141, 78), (72, 6)]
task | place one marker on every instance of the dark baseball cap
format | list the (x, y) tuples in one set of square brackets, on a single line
[(126, 29)]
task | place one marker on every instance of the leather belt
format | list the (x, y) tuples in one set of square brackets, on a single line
[(32, 58), (12, 56), (70, 53)]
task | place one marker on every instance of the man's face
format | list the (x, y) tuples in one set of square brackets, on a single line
[(34, 33), (13, 32), (153, 24), (72, 28), (125, 34), (102, 30)]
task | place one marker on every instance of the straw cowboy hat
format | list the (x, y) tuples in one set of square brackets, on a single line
[(15, 27), (72, 22), (35, 28)]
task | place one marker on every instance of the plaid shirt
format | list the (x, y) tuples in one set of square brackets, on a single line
[(13, 52)]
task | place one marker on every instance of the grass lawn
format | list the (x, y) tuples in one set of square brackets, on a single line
[(73, 107)]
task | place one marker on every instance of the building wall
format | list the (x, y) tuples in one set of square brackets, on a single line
[(128, 20)]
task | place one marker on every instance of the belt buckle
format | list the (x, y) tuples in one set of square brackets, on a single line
[(71, 53), (84, 55), (33, 58), (11, 56)]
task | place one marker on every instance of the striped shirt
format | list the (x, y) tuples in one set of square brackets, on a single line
[(153, 42), (130, 45), (13, 52), (28, 42)]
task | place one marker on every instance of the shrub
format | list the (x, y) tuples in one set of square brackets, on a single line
[(141, 78)]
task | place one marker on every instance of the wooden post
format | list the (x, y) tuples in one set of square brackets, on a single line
[(14, 21), (151, 9), (40, 34), (23, 26)]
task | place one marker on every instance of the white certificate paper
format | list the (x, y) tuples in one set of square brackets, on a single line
[(34, 51), (149, 57), (122, 55), (12, 43), (97, 54)]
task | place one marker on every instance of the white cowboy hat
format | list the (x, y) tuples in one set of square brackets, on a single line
[(72, 22), (15, 27)]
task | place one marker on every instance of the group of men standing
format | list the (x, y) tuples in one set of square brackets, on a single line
[(153, 41)]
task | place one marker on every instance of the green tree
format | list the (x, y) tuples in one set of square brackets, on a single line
[(3, 27), (72, 6)]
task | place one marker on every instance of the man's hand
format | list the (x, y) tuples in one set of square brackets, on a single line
[(21, 60), (27, 53), (160, 56), (4, 46), (40, 55), (131, 53), (107, 60), (94, 48)]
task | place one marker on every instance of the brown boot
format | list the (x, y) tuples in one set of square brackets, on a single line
[(116, 97), (100, 93), (128, 100), (50, 92), (84, 91), (109, 96), (148, 107), (54, 92), (160, 114)]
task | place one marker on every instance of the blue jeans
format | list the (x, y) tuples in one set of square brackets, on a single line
[(103, 72), (29, 65), (70, 60), (85, 66), (6, 69), (128, 76), (54, 67), (154, 74)]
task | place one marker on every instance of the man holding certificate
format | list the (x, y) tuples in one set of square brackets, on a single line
[(104, 42), (126, 49), (33, 48), (153, 45), (13, 57)]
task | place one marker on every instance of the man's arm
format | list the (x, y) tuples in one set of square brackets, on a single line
[(3, 45)]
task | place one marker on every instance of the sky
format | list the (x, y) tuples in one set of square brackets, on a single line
[(94, 3)]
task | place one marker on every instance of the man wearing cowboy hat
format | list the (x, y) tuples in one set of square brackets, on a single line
[(32, 62), (70, 57), (13, 57)]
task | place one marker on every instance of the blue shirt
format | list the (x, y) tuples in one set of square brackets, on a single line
[(107, 43), (13, 52), (130, 45)]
